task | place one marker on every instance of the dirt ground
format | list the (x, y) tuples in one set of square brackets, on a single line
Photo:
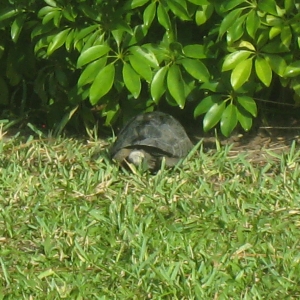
[(277, 137)]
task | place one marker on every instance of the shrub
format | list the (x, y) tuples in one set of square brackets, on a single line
[(108, 58)]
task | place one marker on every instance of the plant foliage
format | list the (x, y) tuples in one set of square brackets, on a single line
[(108, 58)]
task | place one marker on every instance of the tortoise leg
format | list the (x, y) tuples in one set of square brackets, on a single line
[(140, 157), (121, 155)]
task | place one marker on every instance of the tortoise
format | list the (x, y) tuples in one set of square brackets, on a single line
[(148, 138)]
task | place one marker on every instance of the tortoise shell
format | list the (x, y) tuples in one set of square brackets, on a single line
[(151, 136)]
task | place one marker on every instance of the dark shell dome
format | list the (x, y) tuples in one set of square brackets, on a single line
[(155, 135)]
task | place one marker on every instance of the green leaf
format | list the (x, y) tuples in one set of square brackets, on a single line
[(91, 71), (263, 70), (178, 10), (8, 13), (84, 32), (268, 6), (286, 36), (289, 5), (118, 35), (102, 83), (241, 73), (138, 3), (176, 85), (293, 69), (194, 51), (274, 31), (295, 85), (111, 113), (92, 54), (204, 13), (139, 33), (69, 13), (69, 39), (277, 63), (199, 2), (91, 40), (145, 54), (141, 67), (46, 10), (213, 116), (132, 80), (57, 19), (163, 17), (205, 104), (51, 2), (88, 11), (120, 24), (236, 31), (229, 119), (248, 104), (234, 58), (244, 118), (229, 20), (274, 21), (213, 86), (41, 30), (245, 45), (17, 26), (274, 47), (58, 41), (176, 48), (196, 68), (158, 84), (149, 14), (252, 23), (230, 4), (262, 38), (51, 15)]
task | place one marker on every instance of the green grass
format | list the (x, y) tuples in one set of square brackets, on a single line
[(216, 227)]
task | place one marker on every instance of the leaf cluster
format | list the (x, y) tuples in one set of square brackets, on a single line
[(108, 58)]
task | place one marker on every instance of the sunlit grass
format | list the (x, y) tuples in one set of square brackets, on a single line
[(74, 226)]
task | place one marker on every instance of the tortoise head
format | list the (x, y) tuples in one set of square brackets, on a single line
[(138, 157)]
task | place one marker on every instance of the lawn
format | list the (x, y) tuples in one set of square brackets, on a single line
[(74, 226)]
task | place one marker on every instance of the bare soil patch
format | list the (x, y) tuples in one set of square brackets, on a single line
[(277, 137)]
